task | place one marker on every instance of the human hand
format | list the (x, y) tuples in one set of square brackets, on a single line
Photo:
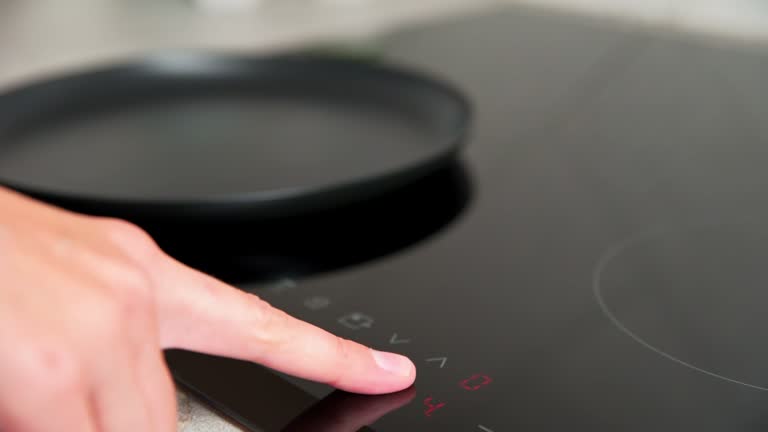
[(88, 304)]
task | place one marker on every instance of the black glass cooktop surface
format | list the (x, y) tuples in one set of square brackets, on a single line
[(599, 260)]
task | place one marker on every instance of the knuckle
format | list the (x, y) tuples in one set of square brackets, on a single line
[(101, 318), (7, 240), (107, 313), (62, 369), (49, 364), (11, 247), (132, 306), (131, 237), (270, 324), (120, 228), (132, 282), (125, 310), (343, 354), (106, 319)]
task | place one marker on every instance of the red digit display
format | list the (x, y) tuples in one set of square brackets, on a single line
[(431, 407), (475, 382)]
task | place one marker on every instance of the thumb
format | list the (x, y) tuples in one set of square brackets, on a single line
[(199, 313)]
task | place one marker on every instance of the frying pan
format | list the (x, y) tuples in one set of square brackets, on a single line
[(206, 136)]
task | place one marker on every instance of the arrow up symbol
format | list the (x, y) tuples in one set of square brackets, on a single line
[(442, 360)]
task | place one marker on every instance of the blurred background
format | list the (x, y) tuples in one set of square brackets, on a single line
[(40, 37)]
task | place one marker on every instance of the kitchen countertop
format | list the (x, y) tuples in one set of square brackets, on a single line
[(79, 32), (194, 416)]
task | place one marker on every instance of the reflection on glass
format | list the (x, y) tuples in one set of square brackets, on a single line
[(346, 412)]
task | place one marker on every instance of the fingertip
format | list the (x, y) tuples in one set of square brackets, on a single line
[(393, 373), (395, 364)]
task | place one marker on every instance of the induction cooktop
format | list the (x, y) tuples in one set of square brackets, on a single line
[(597, 260)]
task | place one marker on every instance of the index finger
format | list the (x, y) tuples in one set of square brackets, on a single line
[(197, 312)]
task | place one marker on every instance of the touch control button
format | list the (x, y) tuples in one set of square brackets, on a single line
[(356, 321), (317, 303), (282, 286), (394, 340), (475, 382), (431, 407), (442, 361)]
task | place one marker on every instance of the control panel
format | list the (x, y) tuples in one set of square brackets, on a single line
[(453, 391)]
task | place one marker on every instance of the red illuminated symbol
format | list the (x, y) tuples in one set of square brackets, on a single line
[(475, 382), (431, 408)]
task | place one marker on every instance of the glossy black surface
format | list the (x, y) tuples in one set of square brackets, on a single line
[(297, 247), (609, 273), (211, 136)]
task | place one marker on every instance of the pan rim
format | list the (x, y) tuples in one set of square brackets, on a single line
[(271, 202)]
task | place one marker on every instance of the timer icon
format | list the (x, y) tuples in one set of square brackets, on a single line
[(356, 321)]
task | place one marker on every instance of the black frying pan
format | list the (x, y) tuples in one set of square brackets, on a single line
[(202, 136)]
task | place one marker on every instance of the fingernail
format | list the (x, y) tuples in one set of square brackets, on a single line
[(393, 363)]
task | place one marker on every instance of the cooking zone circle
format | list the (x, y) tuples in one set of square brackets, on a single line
[(697, 296)]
